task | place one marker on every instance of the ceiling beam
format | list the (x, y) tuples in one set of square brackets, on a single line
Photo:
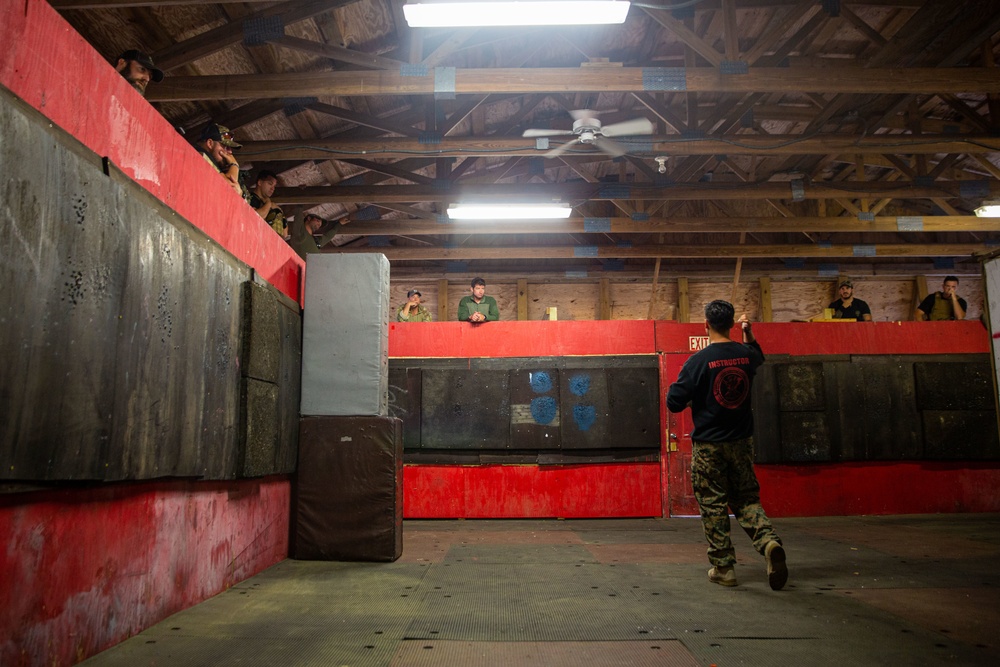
[(581, 191), (435, 253), (885, 80), (429, 226), (670, 145)]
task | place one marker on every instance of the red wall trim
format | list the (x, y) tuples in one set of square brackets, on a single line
[(531, 491), (86, 569), (803, 338), (48, 65), (520, 339)]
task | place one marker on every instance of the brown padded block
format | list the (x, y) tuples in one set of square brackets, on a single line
[(349, 489)]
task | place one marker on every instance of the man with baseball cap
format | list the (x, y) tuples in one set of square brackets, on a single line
[(138, 69), (412, 311), (849, 308), (216, 145)]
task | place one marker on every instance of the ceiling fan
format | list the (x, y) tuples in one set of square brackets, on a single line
[(588, 130)]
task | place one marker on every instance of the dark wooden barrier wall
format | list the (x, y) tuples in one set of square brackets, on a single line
[(124, 329)]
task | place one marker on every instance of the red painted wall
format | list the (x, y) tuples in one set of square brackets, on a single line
[(531, 491), (85, 569)]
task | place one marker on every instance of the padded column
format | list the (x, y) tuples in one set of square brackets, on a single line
[(345, 335), (348, 502)]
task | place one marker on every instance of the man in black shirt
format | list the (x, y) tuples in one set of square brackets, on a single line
[(849, 308), (716, 383)]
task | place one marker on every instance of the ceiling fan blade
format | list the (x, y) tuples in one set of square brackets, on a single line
[(562, 149), (634, 126), (546, 133), (577, 114), (610, 147)]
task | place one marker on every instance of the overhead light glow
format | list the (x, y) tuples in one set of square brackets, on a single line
[(989, 209), (509, 211), (526, 12)]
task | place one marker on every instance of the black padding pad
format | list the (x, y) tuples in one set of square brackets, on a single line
[(348, 501)]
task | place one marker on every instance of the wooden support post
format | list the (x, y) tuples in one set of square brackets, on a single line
[(765, 300), (443, 300), (919, 293), (683, 305), (652, 294), (605, 307), (739, 267), (522, 298)]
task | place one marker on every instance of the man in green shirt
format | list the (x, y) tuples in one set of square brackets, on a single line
[(412, 311), (478, 307), (303, 241)]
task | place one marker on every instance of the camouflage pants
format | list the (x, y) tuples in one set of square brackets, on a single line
[(723, 477)]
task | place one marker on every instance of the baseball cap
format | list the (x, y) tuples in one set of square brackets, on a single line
[(845, 283), (221, 133), (412, 292), (143, 59)]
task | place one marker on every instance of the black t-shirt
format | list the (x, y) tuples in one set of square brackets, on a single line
[(856, 310), (716, 382)]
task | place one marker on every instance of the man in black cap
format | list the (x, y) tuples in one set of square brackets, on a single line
[(138, 69), (216, 145), (412, 311), (849, 308)]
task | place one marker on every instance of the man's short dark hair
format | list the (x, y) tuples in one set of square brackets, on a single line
[(720, 315), (951, 279), (266, 173), (478, 281)]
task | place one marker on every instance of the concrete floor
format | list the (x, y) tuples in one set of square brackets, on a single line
[(897, 590)]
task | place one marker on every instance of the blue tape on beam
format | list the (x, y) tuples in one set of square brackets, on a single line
[(640, 217), (444, 83), (624, 244), (825, 244), (614, 265), (576, 274), (636, 145), (408, 69), (734, 67), (864, 251), (429, 138), (456, 267), (866, 216), (614, 191), (973, 189), (829, 270), (442, 218), (378, 241), (259, 30), (794, 262), (367, 213), (798, 189), (597, 225), (910, 223), (664, 78), (944, 262), (585, 251)]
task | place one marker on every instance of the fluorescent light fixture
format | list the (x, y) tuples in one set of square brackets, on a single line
[(527, 12), (509, 211), (989, 209)]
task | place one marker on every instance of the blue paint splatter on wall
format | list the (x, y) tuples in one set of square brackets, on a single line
[(579, 384), (584, 416), (540, 382), (543, 409)]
